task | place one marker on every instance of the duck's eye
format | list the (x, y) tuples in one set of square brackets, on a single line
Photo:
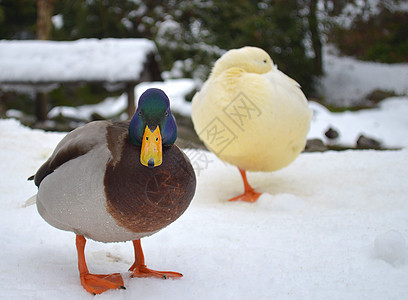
[(157, 139), (166, 114), (147, 138), (139, 113), (265, 61)]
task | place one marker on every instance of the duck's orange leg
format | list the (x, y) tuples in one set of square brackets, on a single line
[(249, 194), (139, 268), (95, 284)]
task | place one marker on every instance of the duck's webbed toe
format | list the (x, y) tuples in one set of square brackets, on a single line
[(97, 283), (143, 271)]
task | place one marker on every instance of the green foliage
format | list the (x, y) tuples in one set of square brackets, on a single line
[(381, 38), (195, 35), (274, 26), (20, 102), (184, 42), (92, 19), (2, 16), (74, 95), (190, 35), (17, 19)]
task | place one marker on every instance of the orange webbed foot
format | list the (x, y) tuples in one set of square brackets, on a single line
[(139, 268), (92, 283), (143, 271), (248, 196), (97, 284)]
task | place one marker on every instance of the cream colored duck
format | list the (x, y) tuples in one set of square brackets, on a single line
[(251, 115)]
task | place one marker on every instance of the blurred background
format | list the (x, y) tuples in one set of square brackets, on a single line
[(191, 35)]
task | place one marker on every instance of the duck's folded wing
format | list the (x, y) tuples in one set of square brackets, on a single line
[(76, 143), (286, 86)]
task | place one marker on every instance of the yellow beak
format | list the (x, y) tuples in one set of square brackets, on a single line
[(151, 154)]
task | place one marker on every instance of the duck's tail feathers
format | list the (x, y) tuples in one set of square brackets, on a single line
[(32, 200)]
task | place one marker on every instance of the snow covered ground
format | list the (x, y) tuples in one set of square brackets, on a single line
[(347, 80), (387, 123), (332, 225)]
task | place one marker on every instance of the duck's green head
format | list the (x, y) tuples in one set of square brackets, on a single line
[(152, 126)]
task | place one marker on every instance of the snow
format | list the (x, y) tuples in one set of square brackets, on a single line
[(391, 247), (347, 80), (387, 123), (111, 106), (176, 90), (108, 60), (331, 225), (57, 21)]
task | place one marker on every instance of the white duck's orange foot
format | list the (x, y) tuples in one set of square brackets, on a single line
[(143, 271), (248, 196), (97, 284)]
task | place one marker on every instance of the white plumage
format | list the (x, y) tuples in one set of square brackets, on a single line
[(263, 110), (250, 114)]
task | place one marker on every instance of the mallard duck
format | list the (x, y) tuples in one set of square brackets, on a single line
[(251, 115), (116, 182)]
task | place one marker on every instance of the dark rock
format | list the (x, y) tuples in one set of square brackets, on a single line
[(331, 134), (364, 142), (378, 95), (315, 145), (97, 117)]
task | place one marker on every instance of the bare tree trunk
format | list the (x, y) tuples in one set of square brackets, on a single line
[(44, 14), (41, 104), (130, 90), (44, 25), (315, 36)]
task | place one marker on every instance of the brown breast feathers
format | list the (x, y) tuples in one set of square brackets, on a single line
[(143, 199)]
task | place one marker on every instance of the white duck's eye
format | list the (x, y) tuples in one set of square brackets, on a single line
[(265, 61)]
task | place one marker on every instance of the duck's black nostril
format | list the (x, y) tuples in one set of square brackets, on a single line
[(150, 163)]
